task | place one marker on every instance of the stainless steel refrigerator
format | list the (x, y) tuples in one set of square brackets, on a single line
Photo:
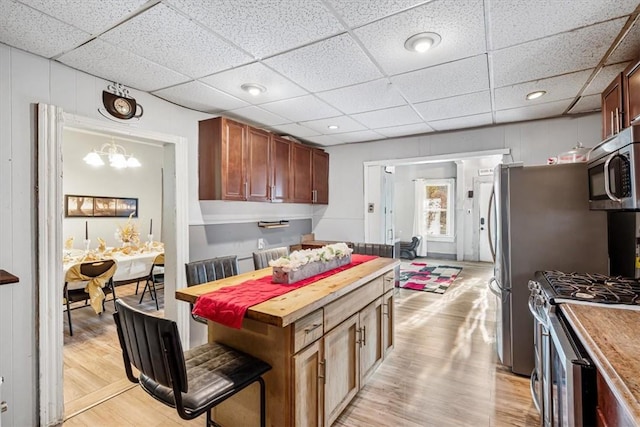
[(541, 221)]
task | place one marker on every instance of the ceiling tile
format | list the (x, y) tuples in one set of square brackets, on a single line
[(257, 115), (603, 78), (277, 86), (35, 32), (577, 50), (561, 87), (200, 97), (587, 104), (344, 123), (629, 47), (111, 63), (462, 122), (456, 106), (168, 38), (358, 12), (539, 111), (93, 17), (264, 27), (301, 108), (360, 136), (446, 80), (459, 23), (404, 130), (362, 97), (515, 22), (329, 64), (395, 116), (324, 140), (294, 129)]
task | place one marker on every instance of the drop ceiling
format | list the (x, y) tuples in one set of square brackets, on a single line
[(342, 62)]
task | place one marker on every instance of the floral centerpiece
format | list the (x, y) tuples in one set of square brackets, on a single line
[(305, 263), (129, 234)]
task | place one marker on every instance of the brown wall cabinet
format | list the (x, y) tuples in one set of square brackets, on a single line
[(612, 108), (631, 93), (240, 162)]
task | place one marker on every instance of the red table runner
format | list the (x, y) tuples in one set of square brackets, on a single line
[(228, 305)]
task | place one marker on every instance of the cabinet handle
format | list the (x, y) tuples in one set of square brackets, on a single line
[(273, 192), (364, 335), (612, 128), (246, 190), (312, 327), (323, 375), (617, 120)]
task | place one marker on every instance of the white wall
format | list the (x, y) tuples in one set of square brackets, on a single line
[(143, 183), (530, 142)]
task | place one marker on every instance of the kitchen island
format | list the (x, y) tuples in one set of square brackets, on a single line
[(611, 337), (323, 340)]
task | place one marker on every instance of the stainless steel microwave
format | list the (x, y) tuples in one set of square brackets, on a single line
[(614, 172)]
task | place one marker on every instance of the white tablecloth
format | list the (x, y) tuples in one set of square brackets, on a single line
[(128, 267)]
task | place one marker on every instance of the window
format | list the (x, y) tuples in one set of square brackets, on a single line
[(437, 208)]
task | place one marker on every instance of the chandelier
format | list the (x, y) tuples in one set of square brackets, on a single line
[(117, 155)]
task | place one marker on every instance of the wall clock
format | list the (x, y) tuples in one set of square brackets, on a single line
[(120, 106)]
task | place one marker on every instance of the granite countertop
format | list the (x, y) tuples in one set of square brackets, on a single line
[(611, 336)]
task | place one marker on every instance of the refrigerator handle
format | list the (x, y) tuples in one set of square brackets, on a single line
[(491, 207), (496, 291)]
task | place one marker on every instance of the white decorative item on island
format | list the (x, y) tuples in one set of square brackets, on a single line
[(305, 263)]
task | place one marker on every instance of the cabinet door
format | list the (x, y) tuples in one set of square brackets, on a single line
[(370, 337), (281, 161), (612, 108), (320, 177), (258, 165), (388, 324), (631, 96), (308, 377), (302, 167), (234, 151), (341, 353)]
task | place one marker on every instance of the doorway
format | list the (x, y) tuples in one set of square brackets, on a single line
[(51, 123)]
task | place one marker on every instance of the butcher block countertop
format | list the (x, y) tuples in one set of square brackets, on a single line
[(286, 309), (611, 336)]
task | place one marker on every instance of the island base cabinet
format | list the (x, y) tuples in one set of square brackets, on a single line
[(309, 382), (341, 368), (388, 326), (370, 339)]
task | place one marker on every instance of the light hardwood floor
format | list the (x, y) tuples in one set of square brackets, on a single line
[(442, 372)]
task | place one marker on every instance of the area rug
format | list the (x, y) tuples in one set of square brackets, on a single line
[(427, 277)]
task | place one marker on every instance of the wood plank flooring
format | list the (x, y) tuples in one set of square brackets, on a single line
[(442, 372)]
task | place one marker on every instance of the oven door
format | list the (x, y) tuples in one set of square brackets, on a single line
[(611, 181), (572, 377)]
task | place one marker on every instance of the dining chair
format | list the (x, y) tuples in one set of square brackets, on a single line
[(374, 249), (261, 258), (208, 270), (100, 272), (154, 278), (192, 382)]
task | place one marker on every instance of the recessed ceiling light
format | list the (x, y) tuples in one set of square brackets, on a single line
[(332, 127), (535, 95), (253, 88), (422, 42)]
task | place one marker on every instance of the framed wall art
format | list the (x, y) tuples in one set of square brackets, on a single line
[(98, 206)]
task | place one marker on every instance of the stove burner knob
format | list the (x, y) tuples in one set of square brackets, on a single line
[(533, 285)]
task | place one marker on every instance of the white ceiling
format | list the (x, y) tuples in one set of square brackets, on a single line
[(342, 62)]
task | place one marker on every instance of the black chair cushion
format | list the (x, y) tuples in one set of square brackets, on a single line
[(214, 372)]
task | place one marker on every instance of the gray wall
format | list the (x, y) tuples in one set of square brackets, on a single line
[(214, 240)]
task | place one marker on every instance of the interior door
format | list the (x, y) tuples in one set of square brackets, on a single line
[(387, 202), (484, 250)]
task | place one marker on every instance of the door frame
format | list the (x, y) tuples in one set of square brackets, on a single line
[(51, 120)]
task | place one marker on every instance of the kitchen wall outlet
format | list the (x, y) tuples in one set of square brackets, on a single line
[(370, 208), (260, 243)]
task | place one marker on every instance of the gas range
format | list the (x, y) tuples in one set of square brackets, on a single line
[(589, 288)]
